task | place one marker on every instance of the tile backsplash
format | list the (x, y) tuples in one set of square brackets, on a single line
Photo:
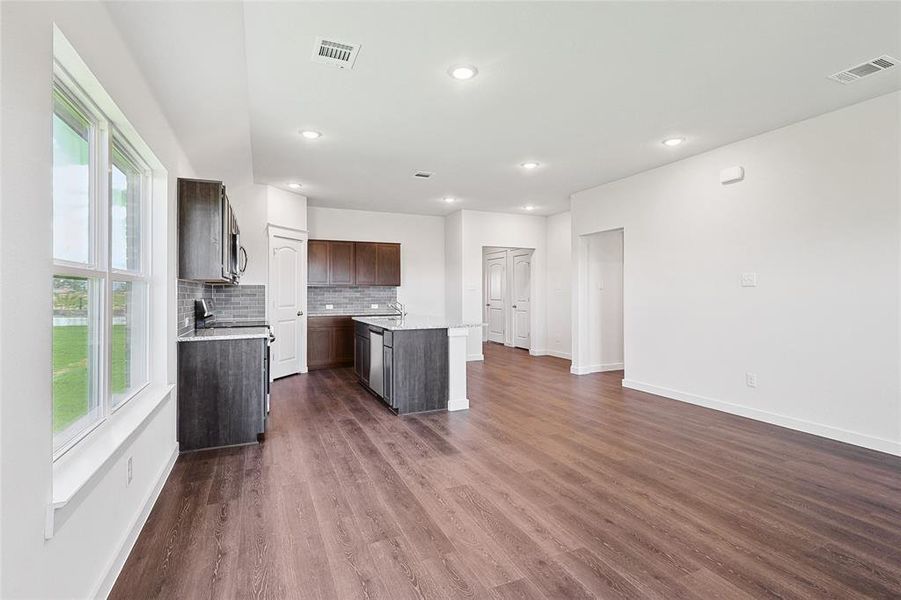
[(239, 302), (348, 300), (229, 302), (188, 291)]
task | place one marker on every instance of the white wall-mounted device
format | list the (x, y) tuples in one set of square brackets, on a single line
[(732, 175)]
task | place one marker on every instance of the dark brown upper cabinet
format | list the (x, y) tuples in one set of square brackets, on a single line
[(317, 263), (341, 263), (353, 263), (387, 264), (209, 246), (366, 265), (330, 263)]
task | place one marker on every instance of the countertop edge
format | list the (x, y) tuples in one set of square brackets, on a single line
[(414, 323), (219, 338)]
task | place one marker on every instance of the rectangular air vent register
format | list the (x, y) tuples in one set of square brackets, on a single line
[(341, 55), (865, 69)]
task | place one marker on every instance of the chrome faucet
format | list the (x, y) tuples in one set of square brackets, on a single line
[(401, 311)]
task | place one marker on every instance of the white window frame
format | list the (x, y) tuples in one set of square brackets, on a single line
[(142, 275), (99, 267)]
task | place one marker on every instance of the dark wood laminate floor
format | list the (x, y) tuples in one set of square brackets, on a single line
[(550, 486)]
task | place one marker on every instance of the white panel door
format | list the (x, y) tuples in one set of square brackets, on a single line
[(522, 309), (287, 307), (495, 293)]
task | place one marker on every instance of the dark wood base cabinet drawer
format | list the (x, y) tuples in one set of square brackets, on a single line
[(330, 342)]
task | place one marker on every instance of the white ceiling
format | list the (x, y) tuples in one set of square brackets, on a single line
[(587, 89)]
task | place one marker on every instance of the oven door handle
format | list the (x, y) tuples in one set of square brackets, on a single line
[(244, 256)]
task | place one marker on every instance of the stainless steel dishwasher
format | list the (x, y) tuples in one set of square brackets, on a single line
[(376, 375)]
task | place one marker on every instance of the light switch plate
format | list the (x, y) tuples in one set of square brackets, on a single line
[(749, 279), (329, 306)]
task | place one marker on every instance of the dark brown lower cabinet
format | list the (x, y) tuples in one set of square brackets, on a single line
[(330, 342), (221, 392)]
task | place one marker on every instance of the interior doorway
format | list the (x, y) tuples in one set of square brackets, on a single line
[(605, 301), (288, 300), (507, 296)]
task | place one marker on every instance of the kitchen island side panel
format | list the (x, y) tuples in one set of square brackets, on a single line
[(420, 375)]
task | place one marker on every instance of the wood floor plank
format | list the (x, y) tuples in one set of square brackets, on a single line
[(306, 555), (521, 589), (549, 486), (543, 571)]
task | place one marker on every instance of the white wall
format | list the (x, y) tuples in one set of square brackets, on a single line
[(249, 201), (453, 265), (93, 529), (257, 206), (817, 218), (559, 284), (421, 238), (480, 229), (286, 209), (605, 301)]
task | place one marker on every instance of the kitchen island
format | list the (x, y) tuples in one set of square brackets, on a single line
[(413, 363)]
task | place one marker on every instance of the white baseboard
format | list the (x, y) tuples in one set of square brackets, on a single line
[(599, 368), (826, 431), (555, 353), (458, 404), (112, 573), (475, 357)]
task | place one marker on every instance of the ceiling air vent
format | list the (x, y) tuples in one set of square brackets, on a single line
[(863, 70), (422, 174), (335, 54)]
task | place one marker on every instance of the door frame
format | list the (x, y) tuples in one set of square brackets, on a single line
[(486, 253), (581, 363), (509, 333), (512, 253), (274, 233)]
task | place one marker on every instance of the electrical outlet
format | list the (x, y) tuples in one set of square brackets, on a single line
[(751, 379), (749, 279), (329, 306), (373, 306), (130, 472)]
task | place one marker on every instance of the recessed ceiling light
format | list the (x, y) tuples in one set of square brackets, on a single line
[(310, 134), (529, 207), (530, 164), (463, 72), (450, 199), (294, 186), (673, 141)]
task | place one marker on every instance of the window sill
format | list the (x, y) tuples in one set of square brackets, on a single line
[(75, 469)]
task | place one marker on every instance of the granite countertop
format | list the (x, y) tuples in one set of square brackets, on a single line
[(372, 312), (414, 322), (224, 333)]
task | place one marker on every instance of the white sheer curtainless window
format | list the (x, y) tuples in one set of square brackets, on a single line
[(101, 282)]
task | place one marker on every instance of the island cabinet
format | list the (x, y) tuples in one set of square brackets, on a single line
[(337, 263), (413, 367), (330, 342), (361, 352)]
